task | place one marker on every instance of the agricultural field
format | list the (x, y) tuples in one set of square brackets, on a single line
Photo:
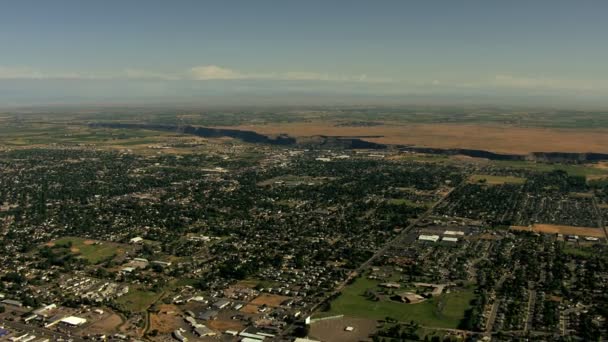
[(445, 311), (516, 140)]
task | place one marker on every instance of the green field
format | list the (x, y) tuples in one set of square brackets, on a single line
[(496, 180), (572, 170), (94, 253), (138, 300), (445, 311)]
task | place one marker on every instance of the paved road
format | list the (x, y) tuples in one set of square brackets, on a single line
[(530, 309), (496, 304), (38, 331)]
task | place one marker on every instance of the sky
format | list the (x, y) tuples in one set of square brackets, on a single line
[(291, 50)]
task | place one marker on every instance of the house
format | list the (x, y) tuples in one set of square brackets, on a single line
[(222, 303), (12, 302), (449, 239), (178, 336), (208, 315), (203, 331)]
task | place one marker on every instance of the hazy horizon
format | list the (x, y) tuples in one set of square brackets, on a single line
[(541, 53)]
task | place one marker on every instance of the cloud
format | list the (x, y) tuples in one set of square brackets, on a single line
[(199, 73), (505, 80), (214, 72)]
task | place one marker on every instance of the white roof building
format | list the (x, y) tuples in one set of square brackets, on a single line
[(431, 238), (453, 232), (73, 320), (449, 239)]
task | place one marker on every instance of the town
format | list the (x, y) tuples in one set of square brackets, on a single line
[(244, 242)]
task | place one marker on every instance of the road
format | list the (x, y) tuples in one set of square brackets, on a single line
[(495, 305), (530, 309), (38, 331)]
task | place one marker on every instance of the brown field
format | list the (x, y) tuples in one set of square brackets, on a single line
[(505, 139), (268, 300), (249, 309), (164, 322), (333, 329), (223, 325), (105, 325), (567, 230)]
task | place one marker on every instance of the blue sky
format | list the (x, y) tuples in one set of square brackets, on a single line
[(544, 47)]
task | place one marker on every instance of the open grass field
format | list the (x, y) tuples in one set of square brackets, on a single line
[(93, 251), (496, 180), (138, 300), (444, 311), (496, 138), (566, 230), (590, 171)]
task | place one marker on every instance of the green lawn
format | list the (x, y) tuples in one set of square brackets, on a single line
[(94, 253), (445, 311), (138, 300), (496, 180), (572, 170)]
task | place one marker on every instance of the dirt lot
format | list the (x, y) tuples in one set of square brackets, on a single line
[(505, 139), (106, 325), (166, 320), (269, 300), (333, 330), (223, 325), (249, 309), (567, 230)]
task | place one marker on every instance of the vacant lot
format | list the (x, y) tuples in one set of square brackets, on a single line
[(567, 230), (333, 329), (269, 300), (223, 325), (503, 138), (165, 322), (496, 180), (444, 311), (105, 325), (93, 251)]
